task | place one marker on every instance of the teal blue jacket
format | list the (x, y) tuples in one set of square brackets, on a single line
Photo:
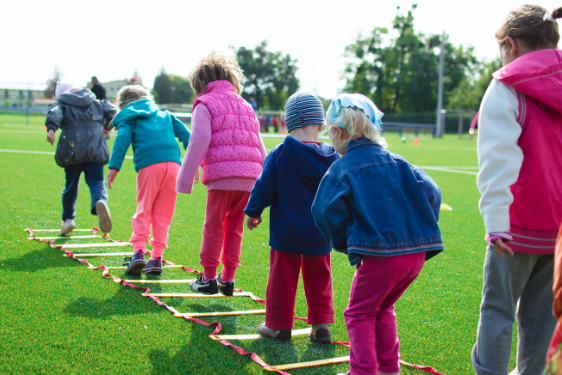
[(152, 133)]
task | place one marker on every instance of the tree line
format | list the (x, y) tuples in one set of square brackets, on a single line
[(397, 68)]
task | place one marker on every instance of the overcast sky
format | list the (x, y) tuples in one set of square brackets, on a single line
[(111, 39)]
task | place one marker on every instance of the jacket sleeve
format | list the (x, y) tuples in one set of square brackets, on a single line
[(331, 211), (200, 140), (181, 131), (499, 156), (54, 116), (430, 189), (121, 144), (109, 112), (264, 192)]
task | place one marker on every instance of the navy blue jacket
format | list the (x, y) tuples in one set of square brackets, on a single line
[(372, 202), (288, 182)]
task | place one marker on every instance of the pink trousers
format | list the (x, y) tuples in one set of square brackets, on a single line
[(223, 230), (281, 294), (156, 201), (370, 319)]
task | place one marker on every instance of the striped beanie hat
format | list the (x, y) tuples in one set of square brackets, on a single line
[(303, 109)]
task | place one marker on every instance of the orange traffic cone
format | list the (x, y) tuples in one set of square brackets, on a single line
[(416, 141)]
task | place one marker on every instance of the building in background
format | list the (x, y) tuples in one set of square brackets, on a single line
[(15, 95)]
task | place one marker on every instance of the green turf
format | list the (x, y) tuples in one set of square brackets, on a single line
[(57, 316)]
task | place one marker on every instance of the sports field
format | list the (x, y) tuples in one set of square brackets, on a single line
[(58, 316)]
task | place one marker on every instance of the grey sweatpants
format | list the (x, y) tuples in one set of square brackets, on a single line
[(523, 278)]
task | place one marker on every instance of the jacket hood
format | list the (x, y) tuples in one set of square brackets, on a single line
[(537, 74), (132, 111), (80, 98), (311, 161)]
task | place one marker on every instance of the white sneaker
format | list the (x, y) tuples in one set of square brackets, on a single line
[(67, 226), (104, 216)]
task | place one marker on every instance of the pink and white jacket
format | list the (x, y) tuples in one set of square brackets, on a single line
[(225, 141), (520, 151)]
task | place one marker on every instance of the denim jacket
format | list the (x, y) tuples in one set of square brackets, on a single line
[(372, 202)]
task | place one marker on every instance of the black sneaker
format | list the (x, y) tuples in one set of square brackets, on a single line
[(225, 287), (136, 263), (265, 331), (200, 286), (153, 267)]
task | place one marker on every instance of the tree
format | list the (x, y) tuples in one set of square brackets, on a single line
[(269, 77), (162, 89), (52, 83), (471, 89), (181, 89), (400, 73)]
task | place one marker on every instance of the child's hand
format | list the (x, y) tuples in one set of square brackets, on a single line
[(196, 179), (51, 137), (501, 247), (253, 222), (111, 177)]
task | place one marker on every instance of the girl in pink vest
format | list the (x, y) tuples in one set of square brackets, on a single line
[(520, 179), (226, 142)]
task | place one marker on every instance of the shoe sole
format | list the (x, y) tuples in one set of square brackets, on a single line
[(202, 292), (322, 341), (135, 268), (273, 338), (104, 216), (67, 231), (153, 271)]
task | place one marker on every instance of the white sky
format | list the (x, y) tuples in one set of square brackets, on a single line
[(111, 39)]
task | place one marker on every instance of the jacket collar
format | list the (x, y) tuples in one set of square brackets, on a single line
[(360, 142)]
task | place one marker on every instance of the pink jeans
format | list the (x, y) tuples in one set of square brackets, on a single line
[(223, 230), (156, 201), (371, 323)]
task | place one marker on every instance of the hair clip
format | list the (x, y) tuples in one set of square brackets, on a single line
[(548, 17)]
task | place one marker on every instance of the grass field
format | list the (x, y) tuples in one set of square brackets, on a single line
[(57, 316)]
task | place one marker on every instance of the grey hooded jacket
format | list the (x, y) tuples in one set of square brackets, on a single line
[(81, 118)]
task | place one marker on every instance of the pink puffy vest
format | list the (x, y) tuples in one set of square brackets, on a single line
[(234, 149)]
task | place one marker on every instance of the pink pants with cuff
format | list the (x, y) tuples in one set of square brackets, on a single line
[(370, 319), (156, 202), (223, 230)]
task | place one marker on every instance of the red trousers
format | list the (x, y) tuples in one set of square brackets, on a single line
[(284, 269), (223, 230)]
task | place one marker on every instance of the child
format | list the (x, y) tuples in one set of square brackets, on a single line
[(520, 179), (81, 148), (382, 212), (227, 143), (291, 174), (157, 160)]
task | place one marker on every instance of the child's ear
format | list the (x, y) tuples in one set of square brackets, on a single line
[(340, 133), (511, 46)]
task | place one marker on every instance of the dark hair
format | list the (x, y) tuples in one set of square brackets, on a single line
[(530, 24)]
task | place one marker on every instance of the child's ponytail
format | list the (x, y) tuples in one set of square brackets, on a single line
[(533, 25)]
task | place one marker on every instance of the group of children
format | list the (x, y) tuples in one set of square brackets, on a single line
[(369, 204)]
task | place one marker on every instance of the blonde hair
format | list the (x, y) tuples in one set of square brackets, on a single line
[(132, 93), (528, 24), (214, 67), (357, 123)]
